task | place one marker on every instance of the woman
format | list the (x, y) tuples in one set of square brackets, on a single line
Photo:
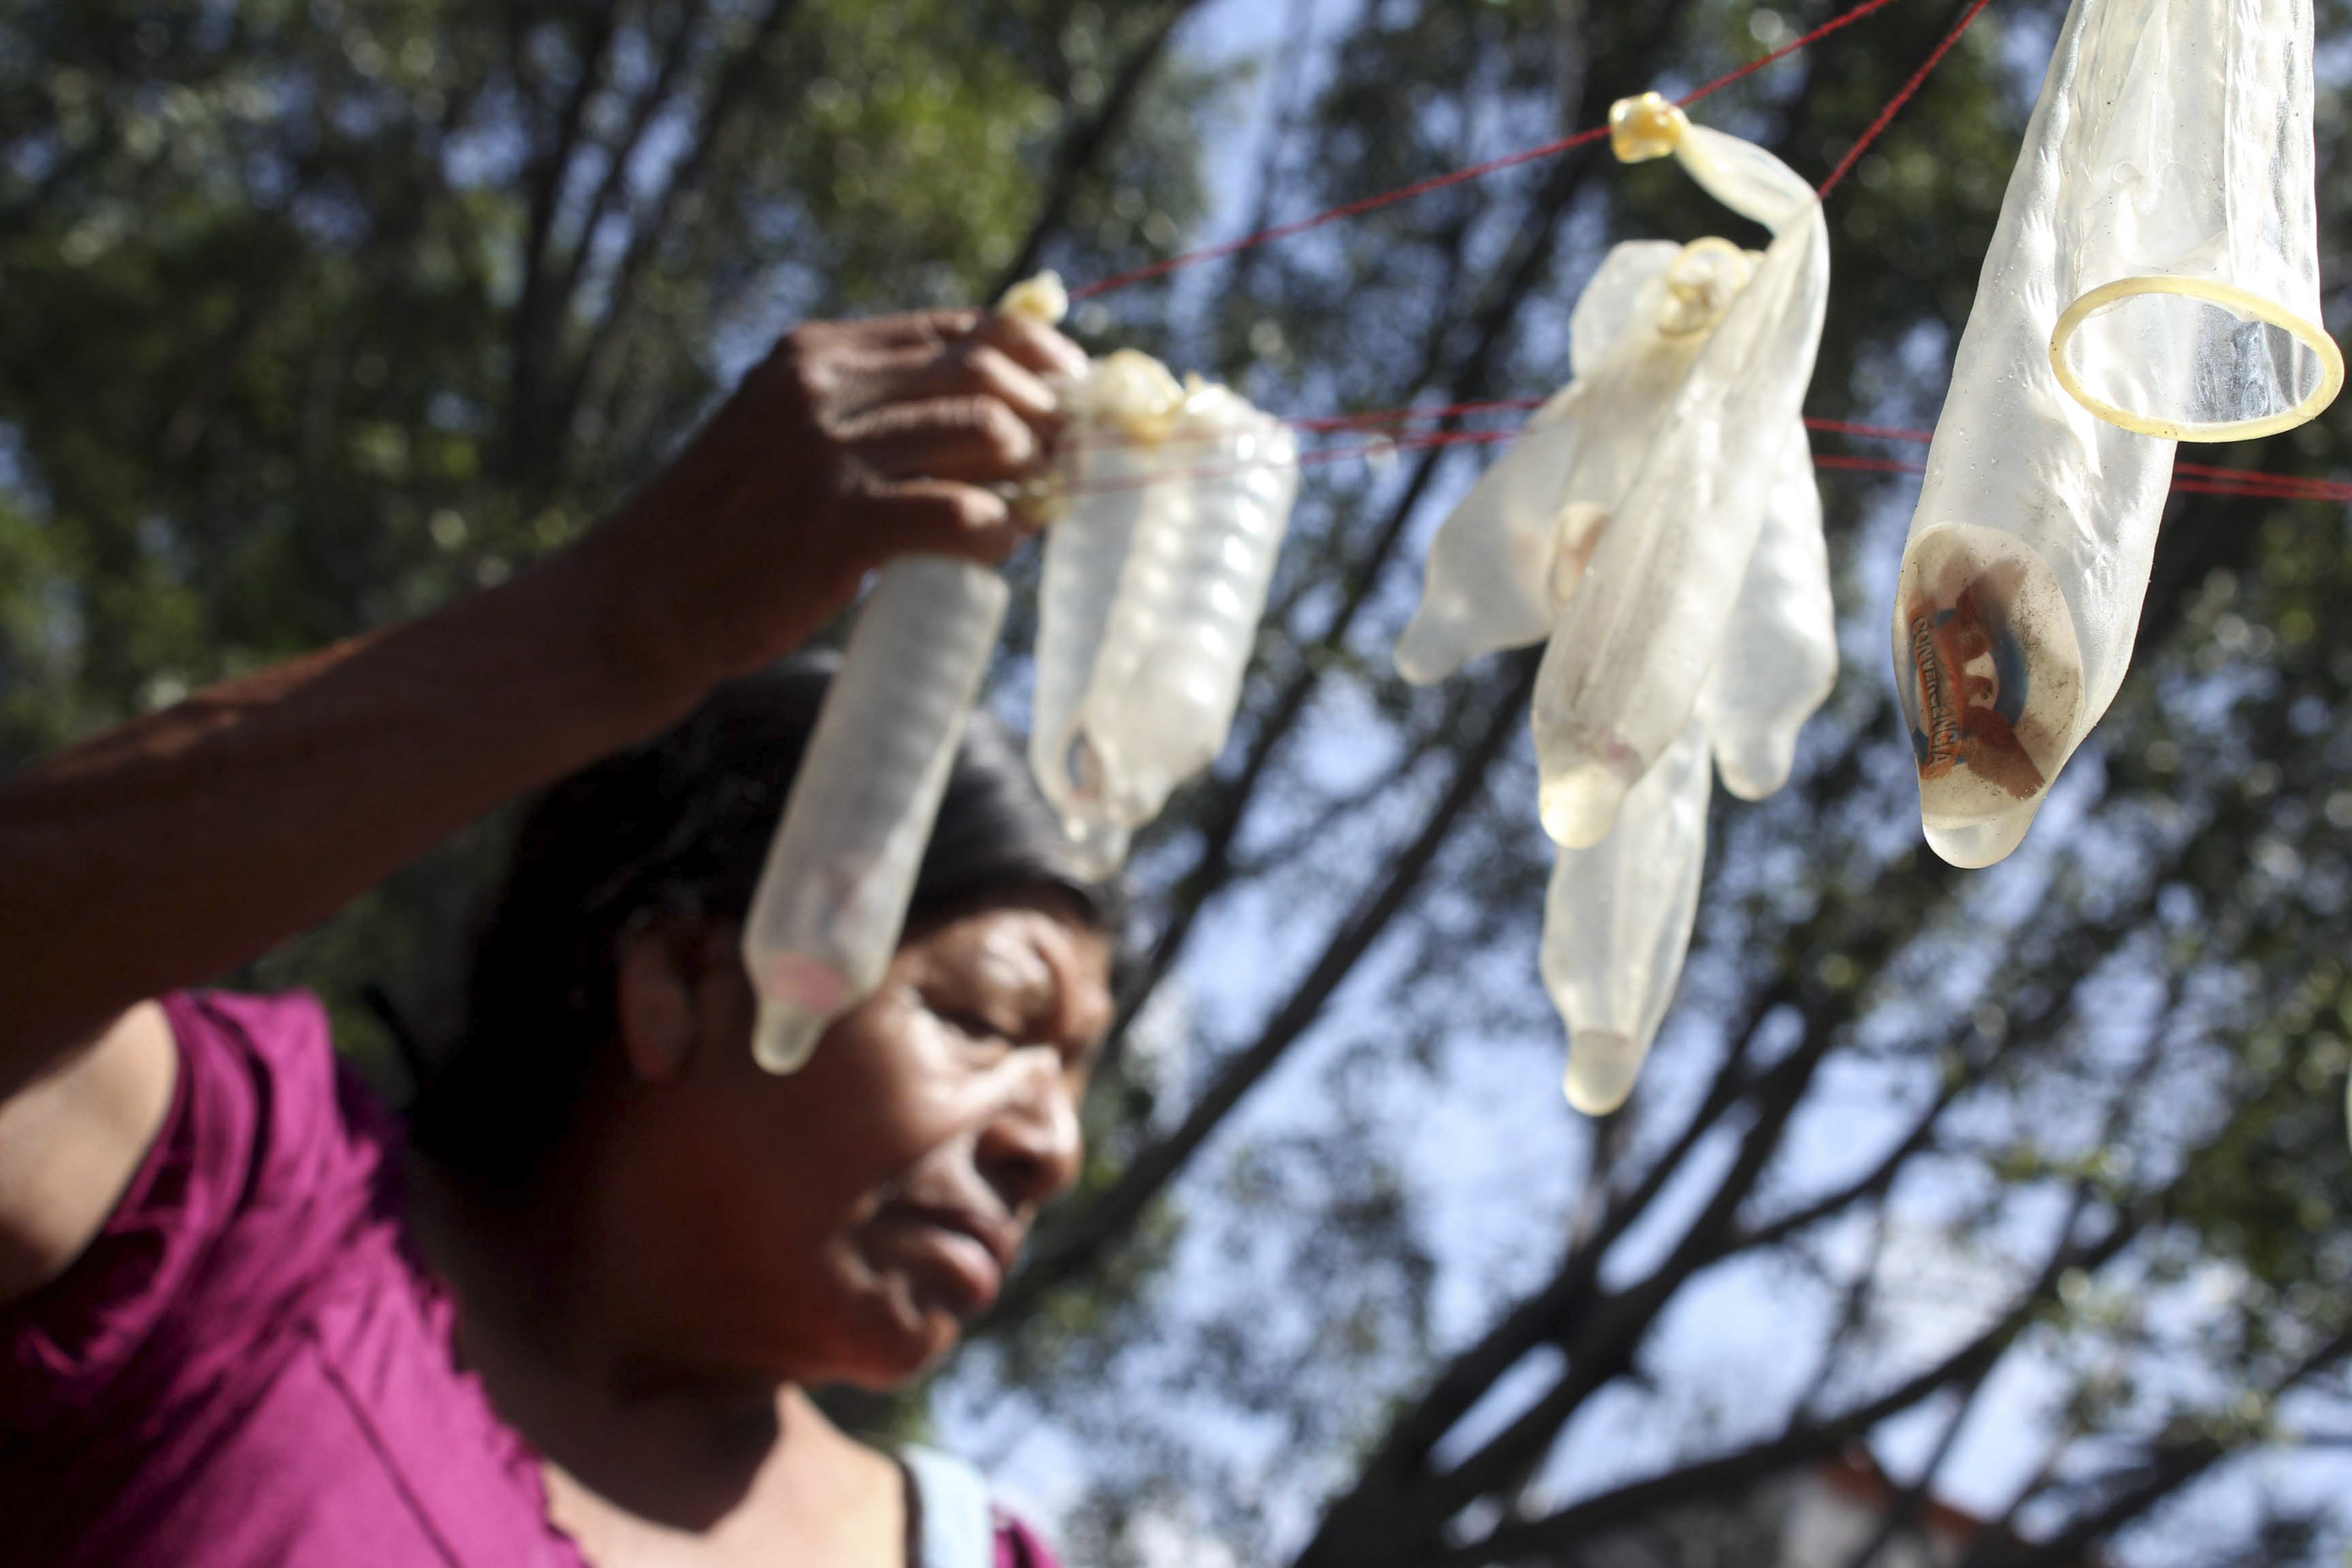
[(248, 1323)]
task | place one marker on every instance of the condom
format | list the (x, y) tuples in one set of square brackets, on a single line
[(1632, 648), (2153, 276), (1086, 553), (1509, 554), (832, 898), (1504, 565), (1658, 520), (1507, 558), (1173, 500), (2187, 217), (1779, 657), (1617, 923)]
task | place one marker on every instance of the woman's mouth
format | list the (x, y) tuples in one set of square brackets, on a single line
[(965, 1257)]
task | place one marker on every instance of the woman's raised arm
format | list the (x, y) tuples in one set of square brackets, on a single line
[(164, 852)]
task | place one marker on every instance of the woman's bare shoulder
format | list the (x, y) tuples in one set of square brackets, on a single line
[(70, 1141)]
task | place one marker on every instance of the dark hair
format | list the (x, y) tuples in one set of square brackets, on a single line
[(679, 825)]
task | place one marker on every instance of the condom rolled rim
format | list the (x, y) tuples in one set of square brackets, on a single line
[(2242, 302)]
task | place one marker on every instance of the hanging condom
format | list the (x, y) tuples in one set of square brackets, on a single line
[(1597, 498), (1177, 498), (1617, 922), (832, 899), (1511, 554), (1110, 460), (1779, 657), (1508, 556), (2154, 277), (1622, 671)]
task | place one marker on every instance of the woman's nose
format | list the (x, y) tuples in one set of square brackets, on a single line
[(1030, 1147)]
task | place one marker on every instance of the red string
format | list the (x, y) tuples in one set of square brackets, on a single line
[(1879, 432), (1869, 465), (1360, 449), (1843, 19), (1408, 416), (1404, 443), (1327, 424), (1479, 171), (1353, 209), (2190, 479), (2290, 486), (1895, 105)]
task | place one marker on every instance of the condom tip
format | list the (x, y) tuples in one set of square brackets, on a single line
[(1579, 807), (785, 1035), (1042, 300), (1602, 1067), (1973, 845), (1644, 127)]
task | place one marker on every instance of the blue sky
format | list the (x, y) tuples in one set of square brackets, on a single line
[(1494, 1148)]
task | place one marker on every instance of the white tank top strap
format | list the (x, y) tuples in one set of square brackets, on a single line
[(956, 1523)]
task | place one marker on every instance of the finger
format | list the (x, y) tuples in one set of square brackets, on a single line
[(915, 329), (973, 438), (937, 517), (1033, 345), (970, 369)]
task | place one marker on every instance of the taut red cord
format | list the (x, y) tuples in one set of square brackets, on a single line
[(1493, 166)]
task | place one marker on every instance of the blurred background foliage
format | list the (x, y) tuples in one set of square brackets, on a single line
[(2029, 1185)]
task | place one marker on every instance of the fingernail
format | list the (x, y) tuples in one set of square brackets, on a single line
[(1073, 358)]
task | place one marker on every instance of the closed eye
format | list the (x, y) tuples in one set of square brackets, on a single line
[(974, 1025)]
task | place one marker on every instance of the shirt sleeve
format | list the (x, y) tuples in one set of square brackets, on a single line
[(257, 1174), (1018, 1546)]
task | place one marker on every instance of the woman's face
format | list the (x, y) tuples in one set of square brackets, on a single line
[(842, 1223)]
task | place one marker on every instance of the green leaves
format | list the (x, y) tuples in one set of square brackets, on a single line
[(317, 314)]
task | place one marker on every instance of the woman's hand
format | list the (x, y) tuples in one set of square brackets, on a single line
[(851, 442)]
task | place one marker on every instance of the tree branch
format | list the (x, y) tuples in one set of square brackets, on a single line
[(1909, 1505), (624, 151), (2169, 1466), (1799, 1443), (1521, 274), (1087, 140), (728, 96), (1371, 1512), (1603, 1343), (549, 169), (1101, 1224)]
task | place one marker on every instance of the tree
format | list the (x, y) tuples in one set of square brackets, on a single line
[(320, 313), (302, 332)]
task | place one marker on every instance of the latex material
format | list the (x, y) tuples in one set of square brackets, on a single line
[(1041, 298), (2154, 275), (1617, 922), (1508, 556), (1779, 657), (2021, 586), (1644, 127), (1630, 650), (833, 896), (2186, 217), (1109, 461), (1153, 585), (1658, 520)]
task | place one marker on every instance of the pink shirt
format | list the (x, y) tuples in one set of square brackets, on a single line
[(249, 1366)]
